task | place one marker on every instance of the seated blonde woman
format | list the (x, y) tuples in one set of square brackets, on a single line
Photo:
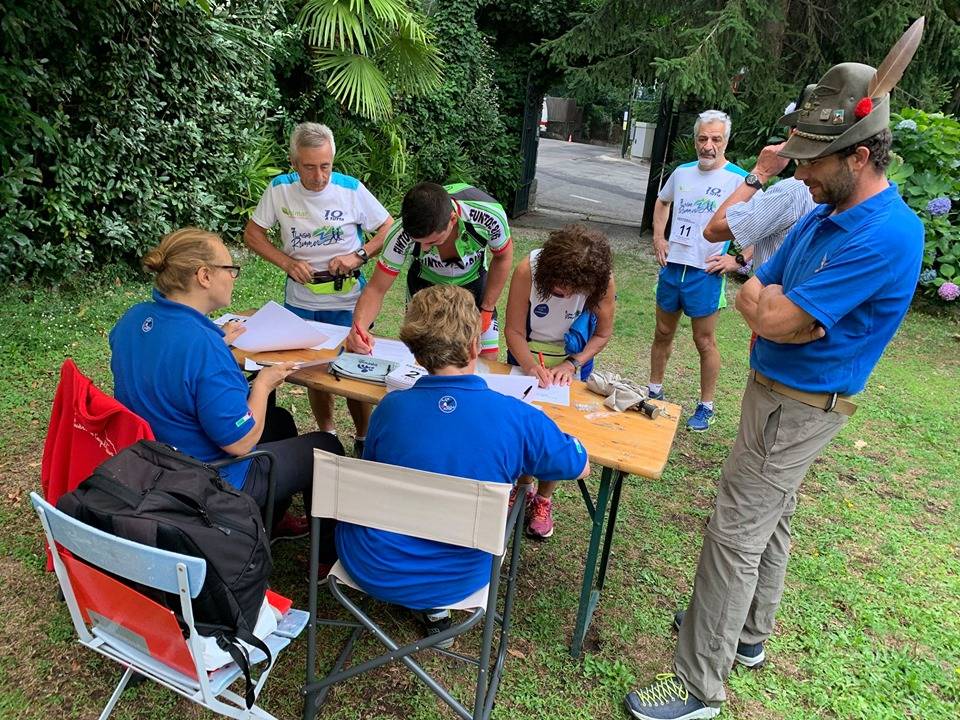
[(172, 367), (448, 422), (559, 317)]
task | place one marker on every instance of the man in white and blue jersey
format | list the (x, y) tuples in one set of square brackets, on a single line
[(323, 216), (684, 286)]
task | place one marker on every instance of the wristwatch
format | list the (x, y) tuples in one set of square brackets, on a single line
[(362, 254), (753, 181), (576, 363), (741, 261)]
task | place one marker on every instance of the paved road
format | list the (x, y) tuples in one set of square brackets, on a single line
[(591, 181)]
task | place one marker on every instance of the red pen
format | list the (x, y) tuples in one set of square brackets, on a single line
[(362, 334), (540, 355)]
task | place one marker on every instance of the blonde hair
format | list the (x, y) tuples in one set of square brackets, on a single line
[(178, 257), (441, 325)]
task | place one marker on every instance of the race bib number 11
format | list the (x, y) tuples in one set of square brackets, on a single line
[(685, 232)]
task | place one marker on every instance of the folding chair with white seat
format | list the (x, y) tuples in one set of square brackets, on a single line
[(448, 509), (125, 625)]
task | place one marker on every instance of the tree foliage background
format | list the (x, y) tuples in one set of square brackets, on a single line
[(751, 57), (123, 119)]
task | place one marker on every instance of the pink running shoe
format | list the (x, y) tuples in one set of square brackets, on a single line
[(540, 517), (515, 490)]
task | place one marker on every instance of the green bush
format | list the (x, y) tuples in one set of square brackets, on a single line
[(122, 122), (457, 133), (927, 169)]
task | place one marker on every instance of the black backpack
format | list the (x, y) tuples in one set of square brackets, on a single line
[(152, 494)]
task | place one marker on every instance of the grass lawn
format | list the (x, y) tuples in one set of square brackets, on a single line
[(870, 621)]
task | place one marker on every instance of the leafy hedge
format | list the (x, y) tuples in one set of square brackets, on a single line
[(458, 131), (122, 121), (928, 173)]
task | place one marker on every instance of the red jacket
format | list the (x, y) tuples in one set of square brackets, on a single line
[(86, 427)]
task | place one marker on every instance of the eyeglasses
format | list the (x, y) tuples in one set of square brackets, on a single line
[(234, 270)]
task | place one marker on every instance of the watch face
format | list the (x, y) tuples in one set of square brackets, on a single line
[(753, 181)]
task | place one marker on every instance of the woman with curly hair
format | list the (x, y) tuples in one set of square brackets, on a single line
[(559, 316)]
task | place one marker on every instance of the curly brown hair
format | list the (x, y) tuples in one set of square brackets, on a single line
[(577, 259)]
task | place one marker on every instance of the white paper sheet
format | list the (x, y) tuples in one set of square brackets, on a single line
[(252, 366), (335, 335), (393, 350), (555, 394), (227, 317), (520, 387), (273, 327)]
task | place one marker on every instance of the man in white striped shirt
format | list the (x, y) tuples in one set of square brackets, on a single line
[(755, 218)]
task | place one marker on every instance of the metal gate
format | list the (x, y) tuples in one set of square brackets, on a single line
[(529, 141)]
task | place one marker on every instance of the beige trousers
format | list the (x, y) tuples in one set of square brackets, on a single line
[(746, 546)]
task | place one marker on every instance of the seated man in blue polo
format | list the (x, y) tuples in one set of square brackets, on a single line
[(685, 285), (462, 428)]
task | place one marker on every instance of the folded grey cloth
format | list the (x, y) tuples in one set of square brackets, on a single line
[(621, 394)]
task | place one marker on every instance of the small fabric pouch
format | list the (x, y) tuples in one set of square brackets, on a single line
[(362, 367)]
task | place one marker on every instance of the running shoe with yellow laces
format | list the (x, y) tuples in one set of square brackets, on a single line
[(667, 699)]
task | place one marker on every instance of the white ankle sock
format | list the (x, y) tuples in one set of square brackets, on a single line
[(707, 405), (655, 387)]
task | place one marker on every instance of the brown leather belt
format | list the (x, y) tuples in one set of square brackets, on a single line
[(828, 402)]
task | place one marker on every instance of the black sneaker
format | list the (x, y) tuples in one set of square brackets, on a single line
[(667, 699), (435, 622), (750, 656)]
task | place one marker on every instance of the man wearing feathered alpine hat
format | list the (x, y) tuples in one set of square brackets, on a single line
[(824, 307)]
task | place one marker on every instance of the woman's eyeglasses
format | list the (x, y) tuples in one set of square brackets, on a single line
[(234, 270)]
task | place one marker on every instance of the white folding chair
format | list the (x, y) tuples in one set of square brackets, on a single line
[(448, 509), (125, 625)]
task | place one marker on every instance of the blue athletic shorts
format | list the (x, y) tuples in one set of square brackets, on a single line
[(344, 318), (695, 291)]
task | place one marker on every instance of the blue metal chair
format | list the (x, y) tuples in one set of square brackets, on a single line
[(120, 623)]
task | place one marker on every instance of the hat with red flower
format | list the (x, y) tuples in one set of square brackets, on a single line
[(850, 103)]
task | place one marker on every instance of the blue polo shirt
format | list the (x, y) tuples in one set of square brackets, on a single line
[(171, 367), (855, 272), (453, 425)]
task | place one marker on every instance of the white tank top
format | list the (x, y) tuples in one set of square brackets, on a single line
[(551, 318)]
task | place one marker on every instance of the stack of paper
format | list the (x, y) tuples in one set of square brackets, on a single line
[(404, 377), (273, 327)]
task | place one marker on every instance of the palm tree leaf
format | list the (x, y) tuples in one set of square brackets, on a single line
[(334, 24), (355, 81), (415, 67), (390, 12)]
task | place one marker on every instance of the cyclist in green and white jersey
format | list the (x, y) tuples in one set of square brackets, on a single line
[(447, 231)]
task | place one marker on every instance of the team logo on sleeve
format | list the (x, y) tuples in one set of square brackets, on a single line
[(541, 310), (243, 420), (147, 325), (447, 404)]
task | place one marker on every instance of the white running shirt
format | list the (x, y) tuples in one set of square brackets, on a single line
[(696, 195), (319, 226), (551, 318)]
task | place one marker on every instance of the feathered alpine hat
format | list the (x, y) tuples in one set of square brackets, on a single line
[(850, 103)]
